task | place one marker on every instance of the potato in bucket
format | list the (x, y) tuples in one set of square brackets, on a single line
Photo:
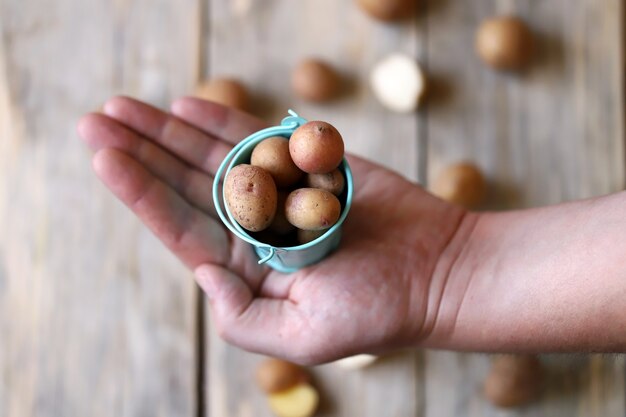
[(294, 255)]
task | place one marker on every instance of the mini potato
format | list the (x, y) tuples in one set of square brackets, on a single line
[(356, 362), (306, 236), (505, 43), (315, 80), (251, 196), (275, 375), (299, 401), (398, 83), (226, 91), (514, 380), (332, 182), (462, 183), (312, 209), (272, 155), (389, 10), (316, 147), (281, 225)]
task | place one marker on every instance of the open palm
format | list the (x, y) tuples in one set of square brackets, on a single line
[(375, 293)]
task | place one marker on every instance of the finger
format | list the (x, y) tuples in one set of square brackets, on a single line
[(276, 285), (272, 327), (219, 121), (194, 237), (358, 164), (188, 143), (100, 131)]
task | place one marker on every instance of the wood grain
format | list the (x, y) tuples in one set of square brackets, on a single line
[(96, 318), (551, 134), (261, 45)]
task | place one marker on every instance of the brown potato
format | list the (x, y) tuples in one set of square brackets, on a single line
[(505, 43), (281, 225), (251, 196), (315, 80), (306, 236), (312, 209), (275, 375), (332, 182), (388, 10), (316, 147), (226, 91), (299, 401), (462, 184), (272, 155), (514, 380)]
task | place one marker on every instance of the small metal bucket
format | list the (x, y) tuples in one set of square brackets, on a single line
[(283, 259)]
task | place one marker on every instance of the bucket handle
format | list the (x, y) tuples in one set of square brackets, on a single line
[(269, 256)]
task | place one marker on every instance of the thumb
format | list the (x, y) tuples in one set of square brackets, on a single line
[(228, 293), (270, 326)]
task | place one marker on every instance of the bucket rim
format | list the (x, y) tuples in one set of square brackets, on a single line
[(287, 127)]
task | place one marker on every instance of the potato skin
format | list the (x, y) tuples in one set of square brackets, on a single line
[(272, 155), (299, 401), (226, 91), (316, 147), (389, 10), (312, 209), (306, 236), (314, 80), (251, 196), (332, 181), (505, 43), (275, 375), (462, 184), (514, 380), (281, 225)]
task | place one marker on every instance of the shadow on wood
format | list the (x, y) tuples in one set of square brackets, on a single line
[(327, 401), (550, 51), (503, 195), (439, 91), (565, 377), (427, 9)]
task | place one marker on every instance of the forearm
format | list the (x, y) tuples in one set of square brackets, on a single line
[(547, 279)]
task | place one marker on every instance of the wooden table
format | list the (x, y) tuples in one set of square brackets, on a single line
[(97, 319)]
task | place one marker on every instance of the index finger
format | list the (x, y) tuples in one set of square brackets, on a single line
[(190, 144)]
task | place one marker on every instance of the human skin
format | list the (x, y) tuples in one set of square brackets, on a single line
[(550, 279), (412, 270)]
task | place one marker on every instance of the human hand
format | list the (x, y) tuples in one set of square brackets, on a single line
[(382, 289)]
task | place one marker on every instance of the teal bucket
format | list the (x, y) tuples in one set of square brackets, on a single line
[(283, 259)]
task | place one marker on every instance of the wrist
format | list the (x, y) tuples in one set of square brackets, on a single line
[(537, 280), (449, 281)]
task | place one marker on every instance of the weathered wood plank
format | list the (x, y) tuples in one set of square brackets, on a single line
[(552, 134), (92, 325), (261, 46), (96, 318)]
